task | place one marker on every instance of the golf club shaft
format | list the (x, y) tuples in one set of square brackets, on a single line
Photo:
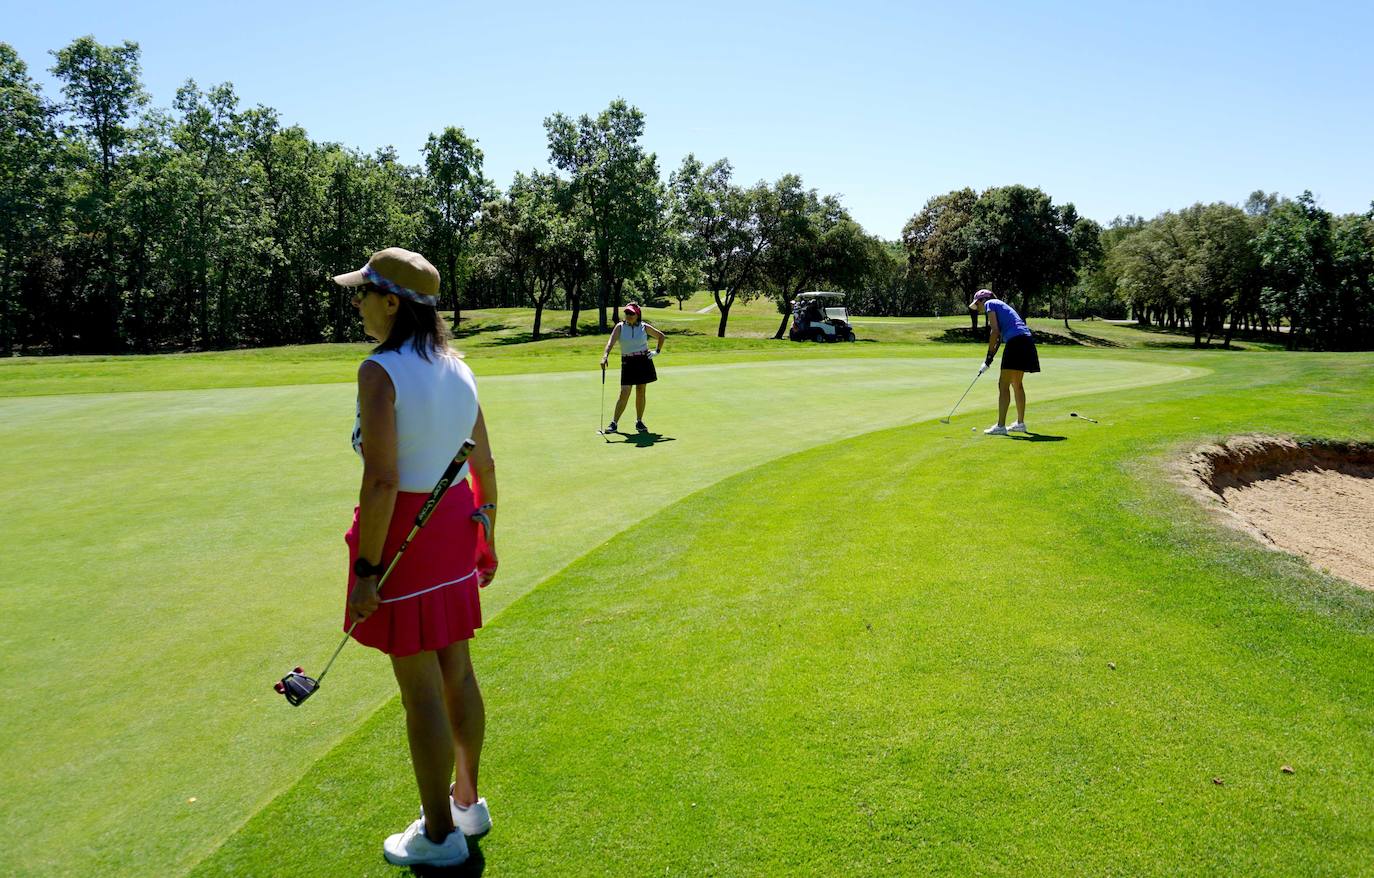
[(450, 474), (961, 399)]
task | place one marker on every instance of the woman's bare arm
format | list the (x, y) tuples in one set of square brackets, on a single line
[(482, 465), (381, 478)]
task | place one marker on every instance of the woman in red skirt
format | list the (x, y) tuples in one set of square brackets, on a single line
[(417, 402)]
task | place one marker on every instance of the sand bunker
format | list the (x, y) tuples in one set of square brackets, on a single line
[(1315, 499)]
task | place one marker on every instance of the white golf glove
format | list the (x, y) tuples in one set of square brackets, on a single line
[(982, 367), (653, 354)]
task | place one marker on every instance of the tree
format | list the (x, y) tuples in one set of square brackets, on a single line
[(572, 246), (616, 183), (819, 244), (526, 228), (1352, 250), (1295, 253), (1099, 278), (101, 87), (937, 246), (29, 196), (1085, 240), (1018, 244), (457, 190), (729, 230)]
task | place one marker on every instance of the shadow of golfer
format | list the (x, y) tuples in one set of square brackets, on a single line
[(474, 865), (642, 440), (1036, 437)]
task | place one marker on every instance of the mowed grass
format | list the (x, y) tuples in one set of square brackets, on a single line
[(180, 550), (918, 651), (501, 339)]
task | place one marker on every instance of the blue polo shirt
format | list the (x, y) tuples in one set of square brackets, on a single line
[(1009, 323)]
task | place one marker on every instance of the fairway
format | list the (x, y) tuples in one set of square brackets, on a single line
[(790, 652)]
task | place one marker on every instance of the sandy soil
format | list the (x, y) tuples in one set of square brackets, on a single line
[(1310, 498)]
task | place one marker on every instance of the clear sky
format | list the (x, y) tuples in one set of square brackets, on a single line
[(1118, 107)]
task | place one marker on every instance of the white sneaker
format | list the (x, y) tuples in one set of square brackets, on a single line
[(1018, 427), (474, 820), (996, 430), (413, 848)]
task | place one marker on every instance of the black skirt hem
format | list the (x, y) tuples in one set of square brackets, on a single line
[(1020, 355), (637, 370)]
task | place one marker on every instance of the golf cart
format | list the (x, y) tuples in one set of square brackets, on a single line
[(820, 316)]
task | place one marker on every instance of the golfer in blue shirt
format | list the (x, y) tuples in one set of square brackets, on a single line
[(1005, 326)]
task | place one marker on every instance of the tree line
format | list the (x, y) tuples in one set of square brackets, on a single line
[(129, 228)]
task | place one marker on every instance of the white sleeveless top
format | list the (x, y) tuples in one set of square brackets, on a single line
[(436, 409), (633, 339)]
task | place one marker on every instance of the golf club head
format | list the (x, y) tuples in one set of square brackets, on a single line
[(296, 687), (944, 420)]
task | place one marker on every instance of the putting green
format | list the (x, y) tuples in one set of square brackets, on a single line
[(177, 551), (918, 651)]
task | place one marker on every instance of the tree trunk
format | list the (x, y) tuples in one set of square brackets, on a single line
[(453, 287), (538, 316), (782, 327), (575, 305), (723, 305), (786, 311), (603, 288)]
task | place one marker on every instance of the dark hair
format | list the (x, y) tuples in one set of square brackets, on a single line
[(416, 324)]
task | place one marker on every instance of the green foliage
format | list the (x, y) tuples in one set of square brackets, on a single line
[(1011, 239), (207, 225), (616, 183), (456, 192), (30, 199)]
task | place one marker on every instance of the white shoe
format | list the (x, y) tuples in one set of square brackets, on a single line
[(996, 430), (1018, 427), (413, 848), (474, 820)]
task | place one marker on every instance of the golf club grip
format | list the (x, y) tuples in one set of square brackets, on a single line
[(450, 473)]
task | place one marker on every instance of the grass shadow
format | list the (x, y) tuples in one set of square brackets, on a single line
[(1181, 339), (474, 865), (642, 440), (962, 335), (1036, 437), (1095, 341), (969, 335), (468, 328)]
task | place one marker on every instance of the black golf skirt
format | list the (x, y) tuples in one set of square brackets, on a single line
[(638, 369), (1020, 354)]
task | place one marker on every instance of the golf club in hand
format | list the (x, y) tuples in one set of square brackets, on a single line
[(602, 418), (296, 686), (945, 419)]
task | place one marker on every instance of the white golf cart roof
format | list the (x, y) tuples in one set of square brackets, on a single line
[(820, 295)]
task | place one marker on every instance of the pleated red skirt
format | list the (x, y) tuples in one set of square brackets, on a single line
[(431, 598)]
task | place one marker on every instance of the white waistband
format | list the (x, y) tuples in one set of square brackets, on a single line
[(416, 594)]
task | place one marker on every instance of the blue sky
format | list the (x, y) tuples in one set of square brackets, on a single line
[(1118, 107)]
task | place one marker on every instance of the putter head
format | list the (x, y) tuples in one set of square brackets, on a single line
[(944, 420), (296, 687)]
